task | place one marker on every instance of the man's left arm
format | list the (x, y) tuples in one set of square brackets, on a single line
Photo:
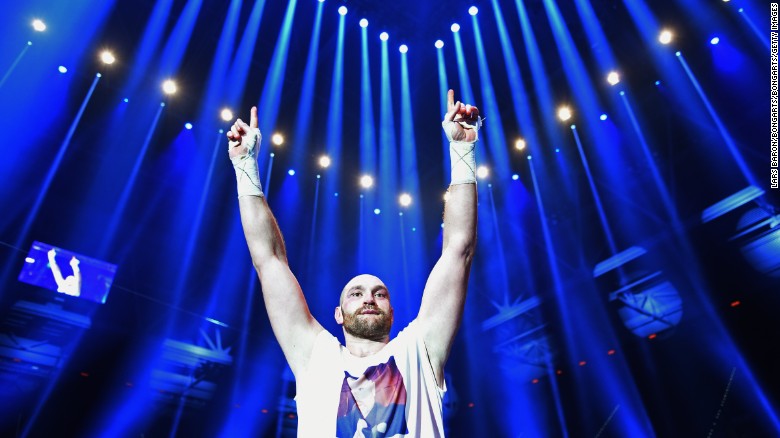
[(444, 297)]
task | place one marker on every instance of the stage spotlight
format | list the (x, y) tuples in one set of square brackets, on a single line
[(384, 36), (520, 144), (324, 161), (343, 10), (38, 25), (62, 69), (557, 150), (363, 22), (188, 125), (107, 57), (473, 10), (377, 211), (439, 44), (515, 177), (291, 172), (714, 40), (455, 27), (603, 117), (226, 114), (366, 181), (613, 78), (482, 172), (403, 48), (126, 100), (564, 113), (665, 37), (405, 199), (169, 87), (277, 139)]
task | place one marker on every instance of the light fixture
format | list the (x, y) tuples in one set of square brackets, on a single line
[(324, 161), (226, 114), (455, 27), (277, 139), (439, 44), (366, 181), (405, 199), (564, 113), (38, 25), (169, 87)]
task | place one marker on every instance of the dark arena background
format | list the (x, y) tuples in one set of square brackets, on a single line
[(627, 277)]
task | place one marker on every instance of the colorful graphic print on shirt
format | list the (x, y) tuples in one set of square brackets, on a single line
[(373, 404)]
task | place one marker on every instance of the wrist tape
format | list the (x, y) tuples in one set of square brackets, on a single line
[(247, 174), (462, 161)]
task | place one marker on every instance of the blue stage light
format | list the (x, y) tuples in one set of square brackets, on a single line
[(291, 172), (714, 40), (343, 10), (377, 211), (125, 100), (62, 69), (473, 10), (603, 117), (455, 27), (188, 125), (363, 22), (439, 44), (384, 36), (403, 48), (515, 177)]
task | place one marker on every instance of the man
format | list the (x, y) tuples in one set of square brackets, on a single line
[(70, 285), (371, 385)]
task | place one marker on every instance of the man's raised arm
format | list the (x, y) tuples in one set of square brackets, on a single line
[(445, 292), (293, 325)]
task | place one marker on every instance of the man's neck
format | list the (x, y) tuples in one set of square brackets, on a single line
[(361, 347)]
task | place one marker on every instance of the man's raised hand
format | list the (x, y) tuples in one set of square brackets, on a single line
[(243, 138), (461, 121)]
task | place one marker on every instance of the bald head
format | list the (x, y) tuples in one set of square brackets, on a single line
[(365, 281)]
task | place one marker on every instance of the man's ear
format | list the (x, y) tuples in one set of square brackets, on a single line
[(338, 315)]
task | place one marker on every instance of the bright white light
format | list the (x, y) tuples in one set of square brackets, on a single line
[(377, 211), (564, 113), (446, 196), (714, 40), (403, 48), (613, 78), (455, 27), (665, 37), (324, 161), (515, 177), (384, 36), (482, 172), (226, 114), (405, 199), (277, 139), (291, 172), (62, 69), (366, 181), (473, 10), (107, 57), (169, 87), (188, 125), (321, 1), (363, 22), (38, 25), (520, 144), (125, 100), (603, 117), (439, 44), (343, 10)]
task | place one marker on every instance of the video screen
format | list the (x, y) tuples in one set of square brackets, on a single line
[(67, 272)]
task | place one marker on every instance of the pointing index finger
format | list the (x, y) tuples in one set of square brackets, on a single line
[(253, 118)]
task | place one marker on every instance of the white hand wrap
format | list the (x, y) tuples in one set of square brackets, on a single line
[(247, 175), (462, 161)]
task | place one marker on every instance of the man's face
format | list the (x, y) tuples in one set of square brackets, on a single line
[(365, 310)]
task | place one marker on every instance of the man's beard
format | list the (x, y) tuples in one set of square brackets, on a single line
[(374, 327)]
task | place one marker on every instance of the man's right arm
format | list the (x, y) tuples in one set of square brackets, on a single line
[(293, 324)]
